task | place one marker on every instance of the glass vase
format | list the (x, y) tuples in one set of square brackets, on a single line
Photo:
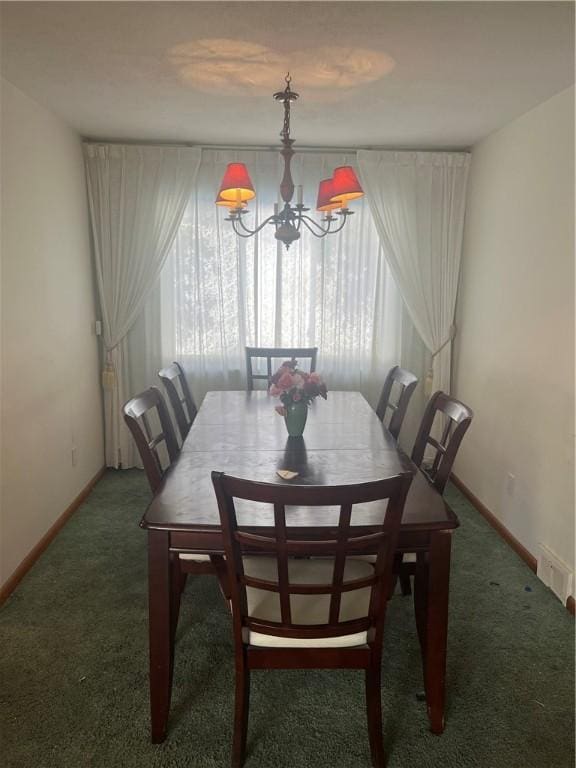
[(295, 419)]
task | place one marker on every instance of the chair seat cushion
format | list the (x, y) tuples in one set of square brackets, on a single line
[(407, 557), (306, 609)]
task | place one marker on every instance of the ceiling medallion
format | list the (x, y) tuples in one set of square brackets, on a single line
[(334, 194)]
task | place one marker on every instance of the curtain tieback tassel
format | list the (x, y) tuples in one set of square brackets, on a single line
[(108, 377), (430, 375)]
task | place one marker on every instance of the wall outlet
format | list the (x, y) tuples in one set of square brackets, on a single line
[(74, 455), (98, 327), (555, 573)]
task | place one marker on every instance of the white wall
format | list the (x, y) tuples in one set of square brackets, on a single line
[(50, 372), (515, 349)]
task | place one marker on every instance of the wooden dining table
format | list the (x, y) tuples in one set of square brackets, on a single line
[(344, 442)]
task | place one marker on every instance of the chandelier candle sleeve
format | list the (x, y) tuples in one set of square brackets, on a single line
[(237, 189)]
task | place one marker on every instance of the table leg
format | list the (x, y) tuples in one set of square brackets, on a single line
[(421, 601), (177, 584), (160, 631), (431, 588)]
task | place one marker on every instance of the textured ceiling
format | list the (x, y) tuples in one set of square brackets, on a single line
[(397, 74)]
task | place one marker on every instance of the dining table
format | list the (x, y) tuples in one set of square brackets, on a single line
[(344, 442)]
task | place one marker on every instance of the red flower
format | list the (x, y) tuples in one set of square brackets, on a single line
[(279, 373), (285, 381)]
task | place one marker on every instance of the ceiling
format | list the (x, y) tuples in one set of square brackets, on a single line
[(391, 74)]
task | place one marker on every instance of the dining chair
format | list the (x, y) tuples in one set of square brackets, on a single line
[(183, 406), (148, 419), (308, 604), (405, 383), (456, 418), (276, 353)]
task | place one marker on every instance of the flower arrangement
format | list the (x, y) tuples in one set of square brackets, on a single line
[(294, 386)]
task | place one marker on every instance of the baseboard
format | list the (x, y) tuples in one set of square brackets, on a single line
[(8, 587), (511, 540)]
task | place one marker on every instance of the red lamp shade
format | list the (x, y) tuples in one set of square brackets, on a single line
[(236, 185), (345, 184), (325, 202), (228, 203)]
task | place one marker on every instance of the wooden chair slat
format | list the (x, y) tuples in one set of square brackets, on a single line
[(306, 589), (307, 631), (365, 544), (340, 562), (282, 562), (160, 438), (147, 427), (436, 444)]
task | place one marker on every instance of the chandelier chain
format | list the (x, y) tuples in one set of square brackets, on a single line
[(285, 133)]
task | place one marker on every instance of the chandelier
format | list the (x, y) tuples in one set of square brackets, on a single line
[(334, 194)]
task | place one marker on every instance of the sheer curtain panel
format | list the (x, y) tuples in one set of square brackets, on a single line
[(137, 196), (418, 202)]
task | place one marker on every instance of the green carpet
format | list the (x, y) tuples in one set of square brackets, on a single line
[(73, 665)]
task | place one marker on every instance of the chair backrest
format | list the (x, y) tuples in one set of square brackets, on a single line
[(457, 420), (183, 406), (340, 543), (138, 414), (406, 382), (276, 353)]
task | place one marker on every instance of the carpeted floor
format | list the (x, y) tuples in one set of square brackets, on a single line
[(73, 665)]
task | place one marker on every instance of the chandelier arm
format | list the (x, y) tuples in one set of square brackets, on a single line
[(308, 221), (241, 234), (250, 232), (340, 226), (320, 234), (322, 231)]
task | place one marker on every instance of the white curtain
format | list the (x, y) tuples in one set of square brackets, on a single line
[(418, 202), (219, 292), (137, 196)]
